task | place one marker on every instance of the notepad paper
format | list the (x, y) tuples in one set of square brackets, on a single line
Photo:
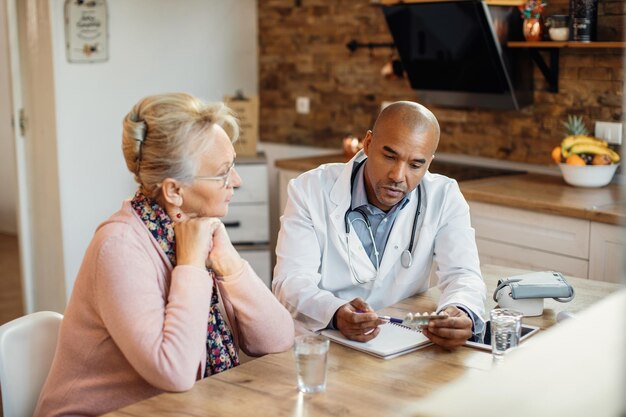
[(392, 341)]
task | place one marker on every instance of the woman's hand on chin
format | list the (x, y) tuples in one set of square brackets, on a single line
[(223, 257), (194, 239)]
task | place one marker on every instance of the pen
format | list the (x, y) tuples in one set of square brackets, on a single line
[(391, 319), (388, 318)]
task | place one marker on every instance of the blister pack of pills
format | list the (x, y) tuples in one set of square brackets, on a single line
[(420, 320)]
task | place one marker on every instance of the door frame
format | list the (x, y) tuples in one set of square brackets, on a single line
[(23, 219)]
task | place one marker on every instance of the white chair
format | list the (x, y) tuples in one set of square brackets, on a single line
[(27, 346)]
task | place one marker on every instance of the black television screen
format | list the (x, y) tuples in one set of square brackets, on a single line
[(453, 46)]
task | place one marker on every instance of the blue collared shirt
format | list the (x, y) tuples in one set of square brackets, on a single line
[(380, 221)]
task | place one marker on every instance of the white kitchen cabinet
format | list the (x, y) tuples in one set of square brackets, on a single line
[(538, 241), (499, 253), (543, 232), (247, 221), (606, 259), (254, 185)]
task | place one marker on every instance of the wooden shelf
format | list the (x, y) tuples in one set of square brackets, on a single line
[(551, 72), (552, 44)]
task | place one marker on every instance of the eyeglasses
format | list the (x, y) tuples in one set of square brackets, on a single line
[(224, 177)]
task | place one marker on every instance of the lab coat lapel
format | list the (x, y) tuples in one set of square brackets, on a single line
[(341, 196)]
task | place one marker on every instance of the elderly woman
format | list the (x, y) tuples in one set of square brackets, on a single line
[(162, 298)]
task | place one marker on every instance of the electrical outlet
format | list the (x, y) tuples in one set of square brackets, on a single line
[(303, 105), (611, 132)]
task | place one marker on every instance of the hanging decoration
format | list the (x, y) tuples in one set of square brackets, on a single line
[(86, 31)]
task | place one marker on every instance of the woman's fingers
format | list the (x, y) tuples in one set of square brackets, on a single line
[(194, 240), (223, 258)]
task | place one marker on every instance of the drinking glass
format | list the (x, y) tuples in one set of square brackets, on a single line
[(311, 353), (506, 329)]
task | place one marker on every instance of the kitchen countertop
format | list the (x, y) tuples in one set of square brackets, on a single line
[(548, 194), (310, 162), (540, 193)]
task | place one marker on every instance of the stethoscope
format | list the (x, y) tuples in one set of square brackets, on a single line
[(406, 258)]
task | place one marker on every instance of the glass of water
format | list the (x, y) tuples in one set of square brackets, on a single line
[(311, 353), (506, 329)]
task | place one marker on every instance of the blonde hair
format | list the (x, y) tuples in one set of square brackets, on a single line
[(163, 137)]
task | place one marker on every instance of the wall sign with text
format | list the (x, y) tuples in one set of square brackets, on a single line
[(86, 31)]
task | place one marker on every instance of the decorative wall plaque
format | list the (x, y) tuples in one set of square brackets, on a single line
[(86, 31)]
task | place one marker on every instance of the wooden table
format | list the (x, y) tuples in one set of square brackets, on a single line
[(358, 384)]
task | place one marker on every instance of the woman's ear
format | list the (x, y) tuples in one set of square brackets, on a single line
[(172, 192)]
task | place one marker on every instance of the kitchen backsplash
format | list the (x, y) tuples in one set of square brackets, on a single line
[(302, 52)]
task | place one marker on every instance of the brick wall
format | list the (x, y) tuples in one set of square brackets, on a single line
[(302, 52)]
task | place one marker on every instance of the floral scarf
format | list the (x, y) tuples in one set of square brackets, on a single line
[(220, 347)]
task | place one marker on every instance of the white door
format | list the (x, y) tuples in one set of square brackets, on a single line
[(8, 185), (39, 225)]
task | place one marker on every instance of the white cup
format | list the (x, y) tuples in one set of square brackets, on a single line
[(506, 329), (559, 27), (311, 352), (559, 34)]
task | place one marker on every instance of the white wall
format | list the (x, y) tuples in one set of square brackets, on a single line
[(8, 178), (205, 47), (274, 151)]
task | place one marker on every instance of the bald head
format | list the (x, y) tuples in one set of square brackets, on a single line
[(399, 151), (412, 116)]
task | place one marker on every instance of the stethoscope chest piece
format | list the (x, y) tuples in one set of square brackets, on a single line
[(406, 259)]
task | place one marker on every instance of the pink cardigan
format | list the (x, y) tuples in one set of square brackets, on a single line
[(135, 327)]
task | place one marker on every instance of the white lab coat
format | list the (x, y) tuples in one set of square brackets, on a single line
[(312, 278)]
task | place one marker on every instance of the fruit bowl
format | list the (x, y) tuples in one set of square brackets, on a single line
[(588, 175), (585, 161)]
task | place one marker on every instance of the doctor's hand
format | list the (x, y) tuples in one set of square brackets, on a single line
[(356, 320), (450, 332)]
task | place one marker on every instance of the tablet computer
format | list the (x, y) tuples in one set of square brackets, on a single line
[(527, 331)]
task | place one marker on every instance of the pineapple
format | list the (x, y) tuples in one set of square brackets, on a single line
[(575, 126), (576, 133)]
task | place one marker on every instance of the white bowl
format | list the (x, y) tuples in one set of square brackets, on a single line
[(588, 175)]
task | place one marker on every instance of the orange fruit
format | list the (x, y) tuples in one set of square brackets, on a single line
[(556, 155), (575, 160), (599, 159)]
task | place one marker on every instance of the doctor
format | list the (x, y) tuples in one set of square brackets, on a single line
[(360, 236)]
